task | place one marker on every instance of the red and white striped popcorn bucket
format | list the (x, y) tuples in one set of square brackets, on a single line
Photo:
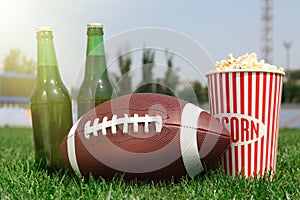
[(248, 103)]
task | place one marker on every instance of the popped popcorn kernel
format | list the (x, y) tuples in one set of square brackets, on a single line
[(245, 62)]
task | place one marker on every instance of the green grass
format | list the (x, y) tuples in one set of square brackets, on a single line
[(21, 179)]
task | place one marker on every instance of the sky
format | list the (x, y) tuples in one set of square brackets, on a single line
[(198, 33)]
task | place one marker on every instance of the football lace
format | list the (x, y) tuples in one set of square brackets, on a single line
[(125, 121)]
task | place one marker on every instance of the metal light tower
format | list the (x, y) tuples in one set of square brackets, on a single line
[(267, 30), (287, 46)]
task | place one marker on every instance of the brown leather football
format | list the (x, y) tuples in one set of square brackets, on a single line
[(145, 136)]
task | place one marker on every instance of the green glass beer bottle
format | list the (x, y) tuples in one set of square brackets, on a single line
[(96, 87), (50, 105)]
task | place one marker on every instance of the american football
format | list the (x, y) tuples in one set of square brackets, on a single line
[(145, 136)]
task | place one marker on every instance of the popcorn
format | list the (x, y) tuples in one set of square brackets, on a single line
[(235, 90), (245, 62)]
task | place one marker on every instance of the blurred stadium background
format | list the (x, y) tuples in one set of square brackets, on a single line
[(15, 91)]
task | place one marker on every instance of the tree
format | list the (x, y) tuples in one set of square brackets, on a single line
[(194, 93), (290, 92), (291, 87), (146, 84), (187, 93), (168, 84), (294, 74), (201, 92), (17, 62), (161, 88), (171, 79), (125, 80), (148, 64)]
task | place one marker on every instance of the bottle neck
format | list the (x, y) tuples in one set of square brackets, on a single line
[(95, 45), (46, 58), (95, 66)]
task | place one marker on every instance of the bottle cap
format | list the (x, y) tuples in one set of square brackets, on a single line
[(44, 29), (94, 25)]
